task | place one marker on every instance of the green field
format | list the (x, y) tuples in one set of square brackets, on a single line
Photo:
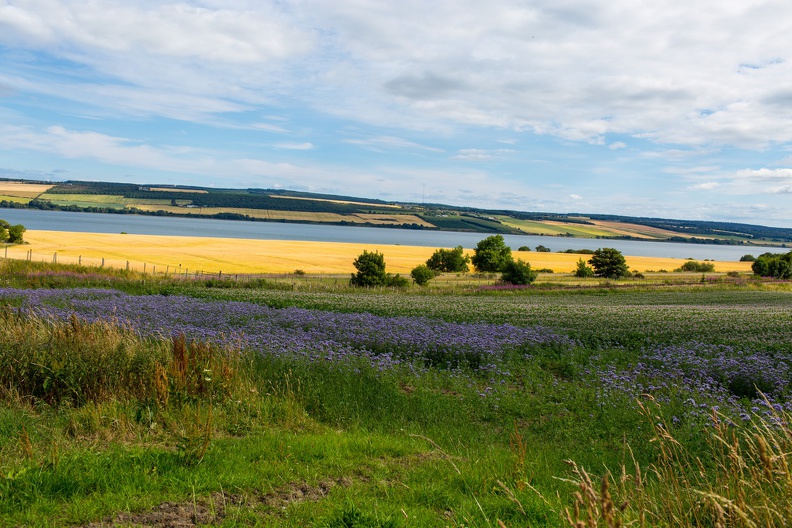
[(135, 400), (103, 200), (545, 228)]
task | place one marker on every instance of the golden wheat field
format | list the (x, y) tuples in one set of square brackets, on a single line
[(213, 255)]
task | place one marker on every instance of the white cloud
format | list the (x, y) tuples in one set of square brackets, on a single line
[(694, 74), (389, 142), (480, 154), (294, 146), (617, 145), (706, 186), (769, 181), (575, 196)]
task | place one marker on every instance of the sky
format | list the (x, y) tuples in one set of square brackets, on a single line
[(668, 108)]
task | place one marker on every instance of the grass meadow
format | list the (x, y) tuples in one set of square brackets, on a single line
[(128, 399)]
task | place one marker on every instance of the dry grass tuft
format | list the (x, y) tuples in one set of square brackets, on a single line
[(743, 481)]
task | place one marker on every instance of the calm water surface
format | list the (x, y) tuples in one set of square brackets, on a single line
[(204, 227)]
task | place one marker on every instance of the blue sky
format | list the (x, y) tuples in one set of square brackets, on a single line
[(669, 108)]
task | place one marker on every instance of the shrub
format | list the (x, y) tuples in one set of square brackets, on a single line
[(518, 272), (582, 270), (747, 258), (422, 274), (695, 266)]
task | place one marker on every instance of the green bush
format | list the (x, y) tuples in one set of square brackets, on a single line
[(582, 270), (518, 272), (422, 274), (698, 267)]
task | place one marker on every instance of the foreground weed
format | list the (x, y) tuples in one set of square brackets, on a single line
[(744, 479)]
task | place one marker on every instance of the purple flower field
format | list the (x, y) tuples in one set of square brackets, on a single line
[(739, 380), (385, 341)]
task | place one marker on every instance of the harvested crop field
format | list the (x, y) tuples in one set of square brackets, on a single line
[(213, 255)]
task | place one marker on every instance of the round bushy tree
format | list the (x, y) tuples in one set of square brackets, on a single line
[(609, 263), (491, 254), (371, 270), (518, 272), (422, 274)]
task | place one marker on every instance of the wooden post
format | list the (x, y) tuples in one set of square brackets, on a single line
[(102, 262), (79, 260)]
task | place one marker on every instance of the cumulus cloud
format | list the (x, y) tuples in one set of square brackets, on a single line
[(617, 145)]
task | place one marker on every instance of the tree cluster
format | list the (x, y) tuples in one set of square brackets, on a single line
[(492, 255), (449, 261), (773, 265)]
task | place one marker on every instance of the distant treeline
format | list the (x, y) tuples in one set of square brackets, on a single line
[(229, 198)]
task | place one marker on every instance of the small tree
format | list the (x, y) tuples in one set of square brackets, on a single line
[(609, 263), (422, 274), (582, 270), (449, 260), (371, 270), (747, 258), (491, 254), (542, 249), (518, 272)]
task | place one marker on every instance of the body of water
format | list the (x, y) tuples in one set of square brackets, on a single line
[(34, 219)]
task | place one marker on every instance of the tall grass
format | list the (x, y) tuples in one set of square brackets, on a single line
[(741, 478)]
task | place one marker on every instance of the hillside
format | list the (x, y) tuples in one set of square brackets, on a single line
[(293, 206)]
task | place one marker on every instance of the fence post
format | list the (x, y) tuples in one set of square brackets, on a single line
[(127, 265), (102, 262), (79, 260), (55, 258)]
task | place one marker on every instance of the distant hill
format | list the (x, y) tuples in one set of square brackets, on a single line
[(279, 205)]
